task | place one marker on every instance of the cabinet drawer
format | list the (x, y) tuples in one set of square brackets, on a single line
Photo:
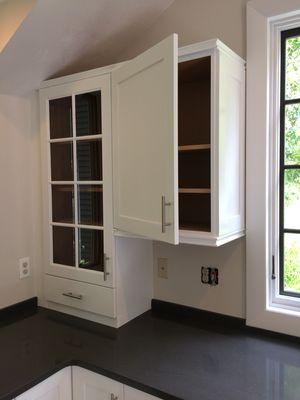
[(84, 296)]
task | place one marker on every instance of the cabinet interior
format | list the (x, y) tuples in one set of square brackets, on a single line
[(194, 125)]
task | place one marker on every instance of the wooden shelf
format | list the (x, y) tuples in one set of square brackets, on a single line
[(194, 147), (188, 226), (194, 191)]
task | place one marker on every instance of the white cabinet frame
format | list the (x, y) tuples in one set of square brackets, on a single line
[(101, 83), (227, 222)]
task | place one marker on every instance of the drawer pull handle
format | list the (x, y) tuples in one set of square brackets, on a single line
[(164, 204), (73, 295)]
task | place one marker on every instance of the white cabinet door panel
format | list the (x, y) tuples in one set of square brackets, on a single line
[(57, 387), (145, 143), (90, 386), (134, 394), (231, 141)]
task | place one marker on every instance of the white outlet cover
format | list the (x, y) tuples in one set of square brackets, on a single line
[(162, 264), (24, 267)]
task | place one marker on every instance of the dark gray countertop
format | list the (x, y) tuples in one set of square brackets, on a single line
[(163, 357)]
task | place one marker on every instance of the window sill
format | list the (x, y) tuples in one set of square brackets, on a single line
[(284, 309)]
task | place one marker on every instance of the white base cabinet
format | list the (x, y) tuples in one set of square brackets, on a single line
[(57, 387), (134, 394), (88, 385), (76, 383)]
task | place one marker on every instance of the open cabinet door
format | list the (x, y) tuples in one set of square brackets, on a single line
[(145, 143)]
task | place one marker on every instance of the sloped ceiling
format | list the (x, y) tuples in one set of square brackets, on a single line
[(12, 14), (65, 36)]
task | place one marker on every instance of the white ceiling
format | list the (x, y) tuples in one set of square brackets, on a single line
[(66, 36)]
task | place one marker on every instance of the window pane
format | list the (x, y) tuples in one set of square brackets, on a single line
[(292, 134), (292, 262), (292, 86), (89, 160), (292, 199), (63, 203), (90, 205), (88, 114), (62, 162), (60, 112), (91, 249), (63, 245)]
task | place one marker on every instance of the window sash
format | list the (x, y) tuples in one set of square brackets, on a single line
[(286, 34)]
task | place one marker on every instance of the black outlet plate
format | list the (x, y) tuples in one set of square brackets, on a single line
[(210, 276)]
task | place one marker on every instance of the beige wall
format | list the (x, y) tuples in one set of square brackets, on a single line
[(198, 20), (184, 286), (19, 183)]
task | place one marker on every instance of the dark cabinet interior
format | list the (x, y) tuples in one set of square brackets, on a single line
[(194, 139)]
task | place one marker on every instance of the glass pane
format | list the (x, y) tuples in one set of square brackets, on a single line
[(91, 249), (292, 134), (88, 114), (292, 262), (90, 205), (63, 245), (63, 203), (89, 160), (62, 162), (60, 112), (292, 87), (292, 199)]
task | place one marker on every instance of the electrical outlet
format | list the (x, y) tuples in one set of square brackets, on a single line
[(210, 276), (162, 268), (24, 267)]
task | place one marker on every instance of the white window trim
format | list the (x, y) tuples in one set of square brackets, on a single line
[(276, 26), (260, 312)]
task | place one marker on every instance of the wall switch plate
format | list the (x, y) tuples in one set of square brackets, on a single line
[(210, 276), (24, 267), (162, 268)]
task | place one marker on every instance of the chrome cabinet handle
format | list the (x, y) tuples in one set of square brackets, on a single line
[(164, 204), (73, 295), (105, 272), (113, 397)]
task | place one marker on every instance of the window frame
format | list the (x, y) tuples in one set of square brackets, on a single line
[(277, 298), (285, 34)]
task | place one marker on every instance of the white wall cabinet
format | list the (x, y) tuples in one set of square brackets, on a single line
[(87, 271), (178, 143), (57, 387), (150, 148)]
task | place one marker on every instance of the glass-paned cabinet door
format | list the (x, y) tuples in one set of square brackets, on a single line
[(77, 138)]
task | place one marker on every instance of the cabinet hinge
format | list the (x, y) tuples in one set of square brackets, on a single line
[(273, 276)]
